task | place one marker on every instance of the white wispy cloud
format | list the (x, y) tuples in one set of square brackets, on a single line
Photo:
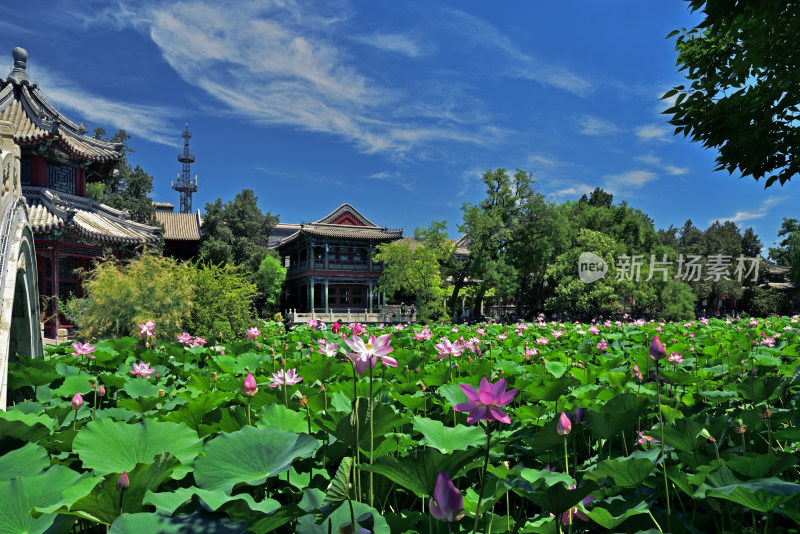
[(155, 123), (286, 63), (393, 178), (746, 215), (654, 132), (574, 190), (629, 180), (400, 43), (655, 161), (521, 64), (543, 162), (591, 125)]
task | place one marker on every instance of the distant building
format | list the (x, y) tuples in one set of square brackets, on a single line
[(329, 262), (182, 231), (58, 159)]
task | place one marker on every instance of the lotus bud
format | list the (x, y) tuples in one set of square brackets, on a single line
[(77, 401), (447, 502), (564, 425), (249, 386), (657, 351), (101, 390), (123, 482)]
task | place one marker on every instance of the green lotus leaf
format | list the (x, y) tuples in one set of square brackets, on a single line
[(199, 521), (250, 455), (105, 503), (196, 408), (628, 472), (25, 426), (81, 383), (418, 474), (448, 439), (618, 415), (168, 502), (612, 512), (21, 495), (341, 518), (557, 369), (109, 446), (30, 460), (140, 387), (282, 418), (761, 494)]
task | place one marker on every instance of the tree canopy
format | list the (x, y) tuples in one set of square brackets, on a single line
[(236, 232), (743, 96), (128, 188)]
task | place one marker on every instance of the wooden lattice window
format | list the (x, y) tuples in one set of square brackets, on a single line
[(61, 178)]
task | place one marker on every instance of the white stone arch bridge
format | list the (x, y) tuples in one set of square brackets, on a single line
[(20, 335)]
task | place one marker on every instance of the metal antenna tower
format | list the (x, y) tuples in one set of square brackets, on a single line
[(186, 185)]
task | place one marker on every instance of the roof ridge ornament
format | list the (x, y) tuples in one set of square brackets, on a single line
[(19, 74)]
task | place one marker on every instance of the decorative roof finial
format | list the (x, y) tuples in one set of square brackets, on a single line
[(19, 74)]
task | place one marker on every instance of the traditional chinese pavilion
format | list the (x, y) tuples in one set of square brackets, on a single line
[(57, 160), (182, 231), (329, 262)]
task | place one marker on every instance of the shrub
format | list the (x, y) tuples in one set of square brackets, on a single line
[(148, 288), (223, 302)]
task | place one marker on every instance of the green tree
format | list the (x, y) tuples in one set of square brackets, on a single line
[(789, 228), (269, 280), (500, 258), (741, 62), (413, 266), (148, 288), (128, 188), (222, 302), (236, 232)]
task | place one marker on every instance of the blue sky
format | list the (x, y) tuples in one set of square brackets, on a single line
[(395, 107)]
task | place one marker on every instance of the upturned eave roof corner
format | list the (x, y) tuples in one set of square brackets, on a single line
[(23, 104)]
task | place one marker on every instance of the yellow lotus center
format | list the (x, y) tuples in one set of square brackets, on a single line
[(369, 346)]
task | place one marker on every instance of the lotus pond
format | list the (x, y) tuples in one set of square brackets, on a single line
[(535, 427)]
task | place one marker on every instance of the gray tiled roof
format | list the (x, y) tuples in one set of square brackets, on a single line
[(50, 211)]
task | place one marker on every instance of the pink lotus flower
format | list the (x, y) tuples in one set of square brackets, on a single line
[(142, 369), (542, 341), (424, 335), (249, 386), (328, 349), (77, 401), (312, 323), (101, 390), (594, 330), (531, 352), (675, 358), (768, 341), (657, 351), (281, 378), (83, 349), (564, 425), (480, 331), (185, 338), (643, 439), (636, 373), (357, 329), (447, 349), (485, 403), (198, 342), (602, 345), (147, 329), (253, 333), (567, 516), (367, 354), (447, 503)]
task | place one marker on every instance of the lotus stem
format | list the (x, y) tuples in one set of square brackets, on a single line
[(371, 434), (663, 456), (483, 480)]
